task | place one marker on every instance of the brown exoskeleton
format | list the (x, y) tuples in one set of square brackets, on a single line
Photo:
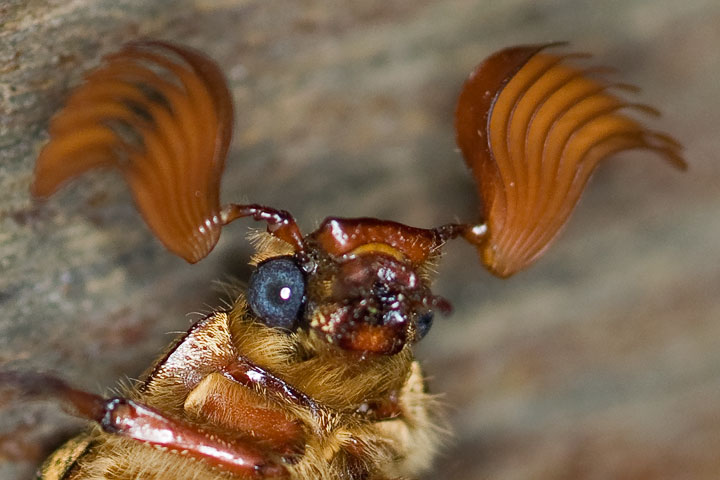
[(310, 375)]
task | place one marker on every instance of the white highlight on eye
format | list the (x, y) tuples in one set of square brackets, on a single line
[(285, 293)]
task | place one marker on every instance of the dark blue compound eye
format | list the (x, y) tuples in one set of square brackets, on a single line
[(424, 322), (276, 292)]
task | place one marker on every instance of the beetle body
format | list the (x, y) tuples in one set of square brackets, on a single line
[(336, 413), (343, 439)]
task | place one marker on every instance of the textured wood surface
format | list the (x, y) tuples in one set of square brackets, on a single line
[(602, 361)]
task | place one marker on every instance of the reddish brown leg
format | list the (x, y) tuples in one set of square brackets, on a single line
[(386, 409), (258, 379), (127, 418), (224, 403), (279, 222)]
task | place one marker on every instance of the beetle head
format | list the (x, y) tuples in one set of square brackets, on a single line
[(368, 289)]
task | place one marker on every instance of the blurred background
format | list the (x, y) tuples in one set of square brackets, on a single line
[(602, 361)]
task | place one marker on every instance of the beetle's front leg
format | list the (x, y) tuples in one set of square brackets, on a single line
[(131, 419), (255, 377)]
